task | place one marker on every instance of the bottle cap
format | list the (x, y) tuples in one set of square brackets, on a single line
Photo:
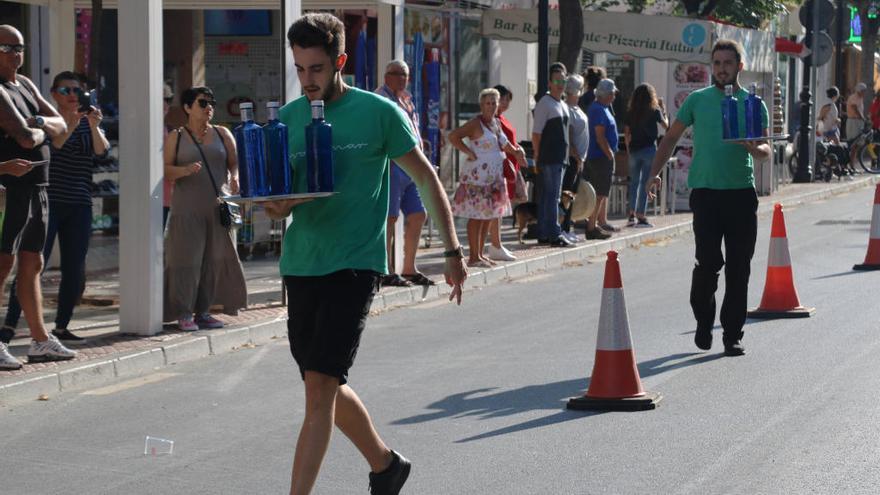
[(728, 89), (272, 104), (317, 103), (246, 106)]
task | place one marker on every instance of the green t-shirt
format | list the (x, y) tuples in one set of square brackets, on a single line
[(716, 164), (346, 230)]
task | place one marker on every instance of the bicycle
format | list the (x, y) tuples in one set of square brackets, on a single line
[(867, 148)]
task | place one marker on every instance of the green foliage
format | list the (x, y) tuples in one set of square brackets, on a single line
[(745, 13)]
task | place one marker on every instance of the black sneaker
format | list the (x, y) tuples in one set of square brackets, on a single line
[(734, 349), (65, 336), (7, 333), (390, 481), (597, 233), (703, 338)]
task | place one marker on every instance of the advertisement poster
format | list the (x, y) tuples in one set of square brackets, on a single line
[(683, 79)]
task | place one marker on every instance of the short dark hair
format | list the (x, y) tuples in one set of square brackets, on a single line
[(65, 76), (832, 92), (321, 30), (504, 91), (730, 45), (557, 67), (593, 75), (188, 97)]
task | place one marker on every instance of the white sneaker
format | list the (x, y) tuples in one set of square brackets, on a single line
[(8, 361), (572, 237), (49, 350), (500, 254)]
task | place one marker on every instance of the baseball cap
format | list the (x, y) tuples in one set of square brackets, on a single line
[(861, 86), (606, 87)]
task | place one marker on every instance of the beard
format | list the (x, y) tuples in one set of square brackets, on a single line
[(730, 80)]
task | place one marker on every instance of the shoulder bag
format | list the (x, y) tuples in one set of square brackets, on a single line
[(230, 214)]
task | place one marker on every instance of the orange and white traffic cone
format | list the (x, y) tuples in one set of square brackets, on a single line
[(872, 259), (615, 384), (780, 298)]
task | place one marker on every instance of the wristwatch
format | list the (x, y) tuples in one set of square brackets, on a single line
[(39, 122), (454, 253)]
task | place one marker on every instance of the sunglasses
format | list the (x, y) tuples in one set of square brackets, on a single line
[(401, 74), (6, 48), (66, 90), (558, 81), (205, 103)]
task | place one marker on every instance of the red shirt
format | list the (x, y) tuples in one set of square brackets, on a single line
[(509, 175), (874, 112)]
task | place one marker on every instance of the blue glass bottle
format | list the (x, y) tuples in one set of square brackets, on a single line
[(319, 151), (729, 120), (753, 104), (277, 163), (251, 154)]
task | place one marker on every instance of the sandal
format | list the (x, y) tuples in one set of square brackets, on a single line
[(418, 278), (395, 280)]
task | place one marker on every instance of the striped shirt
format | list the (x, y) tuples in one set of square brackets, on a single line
[(70, 169)]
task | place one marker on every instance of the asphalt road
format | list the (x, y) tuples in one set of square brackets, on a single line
[(475, 395)]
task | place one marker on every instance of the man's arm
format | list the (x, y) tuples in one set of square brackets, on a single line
[(55, 123), (12, 123), (419, 169), (664, 152), (536, 145), (602, 142)]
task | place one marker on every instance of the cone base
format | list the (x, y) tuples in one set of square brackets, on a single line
[(866, 267), (644, 403), (766, 314)]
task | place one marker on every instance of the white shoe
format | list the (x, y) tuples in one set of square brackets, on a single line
[(49, 350), (8, 361), (500, 254), (572, 237)]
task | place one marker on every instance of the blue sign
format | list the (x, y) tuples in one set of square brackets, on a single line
[(693, 35)]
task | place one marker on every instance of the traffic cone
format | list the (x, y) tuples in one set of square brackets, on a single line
[(872, 259), (780, 298), (615, 384)]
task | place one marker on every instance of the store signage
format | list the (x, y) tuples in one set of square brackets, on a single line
[(233, 48), (658, 37)]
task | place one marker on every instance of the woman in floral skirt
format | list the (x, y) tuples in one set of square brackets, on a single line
[(481, 195)]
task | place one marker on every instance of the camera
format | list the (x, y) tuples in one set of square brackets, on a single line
[(85, 101)]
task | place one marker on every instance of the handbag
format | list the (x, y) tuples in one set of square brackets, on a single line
[(521, 189), (230, 213)]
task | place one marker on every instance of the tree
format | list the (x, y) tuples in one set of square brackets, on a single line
[(746, 13), (571, 33)]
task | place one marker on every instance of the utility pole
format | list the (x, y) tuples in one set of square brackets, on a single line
[(543, 47)]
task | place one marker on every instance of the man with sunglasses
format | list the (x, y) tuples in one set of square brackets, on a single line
[(27, 123), (550, 145)]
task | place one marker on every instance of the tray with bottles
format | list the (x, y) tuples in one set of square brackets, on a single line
[(279, 197), (779, 137)]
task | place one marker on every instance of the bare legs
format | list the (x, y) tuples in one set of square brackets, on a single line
[(327, 403), (598, 216), (477, 231), (30, 265)]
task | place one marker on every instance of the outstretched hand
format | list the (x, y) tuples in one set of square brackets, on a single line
[(279, 209), (455, 273)]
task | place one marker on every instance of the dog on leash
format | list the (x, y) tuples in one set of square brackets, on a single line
[(526, 213)]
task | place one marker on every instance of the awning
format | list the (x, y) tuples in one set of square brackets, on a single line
[(241, 4), (657, 36), (758, 45)]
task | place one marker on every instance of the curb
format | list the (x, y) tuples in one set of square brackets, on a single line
[(202, 344), (42, 386)]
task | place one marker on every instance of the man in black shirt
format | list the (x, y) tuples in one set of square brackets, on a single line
[(27, 123)]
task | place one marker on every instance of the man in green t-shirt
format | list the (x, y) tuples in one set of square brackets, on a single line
[(334, 250), (723, 198)]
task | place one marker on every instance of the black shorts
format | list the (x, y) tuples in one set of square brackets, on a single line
[(598, 172), (25, 220), (326, 316)]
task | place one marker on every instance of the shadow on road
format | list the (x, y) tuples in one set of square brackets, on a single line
[(841, 274), (484, 403)]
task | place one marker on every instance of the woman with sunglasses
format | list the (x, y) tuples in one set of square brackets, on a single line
[(201, 264), (73, 159)]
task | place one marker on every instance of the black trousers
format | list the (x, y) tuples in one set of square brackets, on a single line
[(729, 216)]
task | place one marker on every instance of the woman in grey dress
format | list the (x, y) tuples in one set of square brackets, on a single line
[(201, 264)]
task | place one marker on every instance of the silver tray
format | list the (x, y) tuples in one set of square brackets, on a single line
[(263, 199), (780, 137)]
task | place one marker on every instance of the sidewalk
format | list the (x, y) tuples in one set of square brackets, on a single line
[(110, 355)]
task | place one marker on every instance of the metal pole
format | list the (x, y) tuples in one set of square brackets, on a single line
[(543, 47), (807, 141)]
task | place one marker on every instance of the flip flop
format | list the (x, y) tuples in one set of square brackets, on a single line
[(395, 280), (418, 278)]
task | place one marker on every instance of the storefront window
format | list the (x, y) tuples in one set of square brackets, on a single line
[(622, 69), (473, 68)]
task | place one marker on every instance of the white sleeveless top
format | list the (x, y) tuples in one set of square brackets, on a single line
[(488, 168)]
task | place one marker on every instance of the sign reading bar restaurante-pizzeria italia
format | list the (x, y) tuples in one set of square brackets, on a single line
[(658, 37)]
